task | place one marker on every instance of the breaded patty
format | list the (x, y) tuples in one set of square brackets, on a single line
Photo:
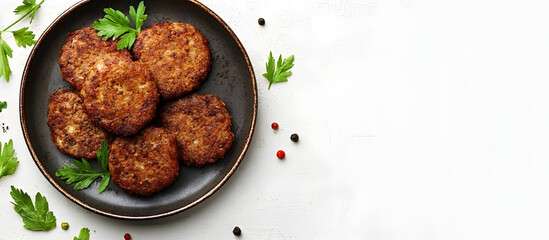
[(146, 163), (202, 126), (120, 96), (177, 54), (82, 49), (72, 131)]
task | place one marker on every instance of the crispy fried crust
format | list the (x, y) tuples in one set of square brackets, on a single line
[(145, 163), (177, 54), (202, 125), (120, 96), (72, 132), (82, 49)]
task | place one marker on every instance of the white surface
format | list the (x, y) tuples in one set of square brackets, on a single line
[(419, 119)]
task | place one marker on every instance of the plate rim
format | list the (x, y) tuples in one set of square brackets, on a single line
[(121, 216)]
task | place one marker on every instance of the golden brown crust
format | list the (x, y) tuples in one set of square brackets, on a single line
[(146, 163), (202, 126), (177, 54), (82, 49), (72, 132), (120, 96)]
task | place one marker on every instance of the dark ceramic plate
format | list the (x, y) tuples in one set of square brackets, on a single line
[(231, 78)]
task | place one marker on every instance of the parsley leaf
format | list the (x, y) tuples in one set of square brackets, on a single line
[(115, 24), (103, 156), (25, 8), (8, 163), (84, 234), (28, 7), (5, 52), (35, 217), (280, 73), (23, 38), (138, 16), (3, 105), (83, 174)]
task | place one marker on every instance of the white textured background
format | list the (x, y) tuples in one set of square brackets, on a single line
[(419, 119)]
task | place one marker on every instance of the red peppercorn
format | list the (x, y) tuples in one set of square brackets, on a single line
[(280, 154), (127, 236), (274, 125)]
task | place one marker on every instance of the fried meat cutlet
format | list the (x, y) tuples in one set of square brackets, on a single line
[(177, 54), (82, 49), (120, 96), (146, 163), (72, 131), (202, 126)]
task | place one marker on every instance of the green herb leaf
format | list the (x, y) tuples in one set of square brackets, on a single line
[(25, 8), (104, 183), (28, 7), (280, 72), (84, 234), (23, 38), (35, 217), (115, 24), (8, 163), (103, 155), (5, 52), (127, 40), (3, 105), (270, 65), (138, 16), (84, 175)]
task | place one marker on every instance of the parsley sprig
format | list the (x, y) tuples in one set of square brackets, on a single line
[(35, 216), (23, 37), (83, 174), (84, 234), (115, 24), (8, 163), (280, 73)]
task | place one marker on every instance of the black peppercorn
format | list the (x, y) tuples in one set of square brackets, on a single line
[(261, 21), (294, 137), (237, 231)]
